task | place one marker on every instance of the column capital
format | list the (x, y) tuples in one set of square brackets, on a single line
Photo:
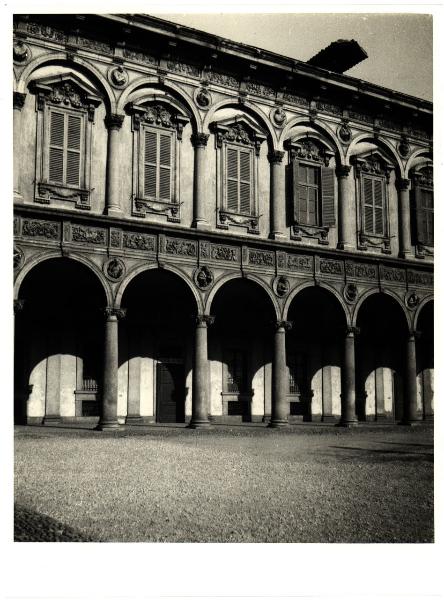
[(110, 311), (114, 121), (18, 101), (403, 184), (199, 140), (352, 331), (276, 156), (343, 171), (414, 334), (286, 325), (18, 305), (204, 320)]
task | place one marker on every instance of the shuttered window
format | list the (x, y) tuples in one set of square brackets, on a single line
[(313, 194), (239, 185), (157, 163), (235, 379), (424, 215), (65, 149), (373, 191)]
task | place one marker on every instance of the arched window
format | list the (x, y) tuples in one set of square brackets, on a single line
[(65, 118)]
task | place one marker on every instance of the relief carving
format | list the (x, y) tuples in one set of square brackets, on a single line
[(138, 241), (351, 292), (412, 300), (203, 99), (261, 258), (394, 275), (139, 57), (18, 258), (118, 77), (47, 32), (281, 286), (180, 247), (43, 229), (21, 52), (300, 263), (331, 267), (114, 239), (114, 269), (203, 277), (361, 270), (278, 116), (88, 235), (418, 278), (224, 253)]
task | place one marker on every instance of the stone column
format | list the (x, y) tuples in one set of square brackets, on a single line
[(113, 123), (199, 141), (348, 395), (410, 387), (199, 416), (108, 413), (277, 195), (18, 104), (346, 211), (405, 240), (279, 404)]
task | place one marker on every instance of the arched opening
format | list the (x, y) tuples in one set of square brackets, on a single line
[(156, 348), (58, 343), (240, 352), (380, 359), (314, 355), (425, 360)]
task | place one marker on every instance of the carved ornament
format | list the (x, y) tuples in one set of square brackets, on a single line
[(21, 52), (199, 140), (251, 222), (238, 132), (114, 269), (331, 267), (46, 192), (344, 132), (203, 278), (139, 241), (261, 258), (300, 263), (88, 235), (68, 92), (114, 121), (310, 231), (159, 115), (276, 156), (204, 320), (19, 100), (286, 325), (226, 253), (118, 77), (180, 247), (281, 286), (18, 258), (412, 300), (43, 229), (350, 292), (424, 177), (307, 150), (110, 311), (404, 147), (278, 116), (202, 98), (372, 165)]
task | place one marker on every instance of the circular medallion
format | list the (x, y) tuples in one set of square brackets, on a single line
[(118, 77), (411, 300), (281, 286), (114, 269), (404, 148), (203, 277), (18, 258), (21, 52), (344, 133), (351, 292), (278, 116), (202, 97)]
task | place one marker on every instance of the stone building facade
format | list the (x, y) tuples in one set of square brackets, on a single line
[(208, 232)]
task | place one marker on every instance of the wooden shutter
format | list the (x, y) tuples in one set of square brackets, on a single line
[(150, 164), (424, 216), (367, 190), (56, 147), (232, 179), (73, 150), (245, 182), (295, 186), (328, 196), (378, 196)]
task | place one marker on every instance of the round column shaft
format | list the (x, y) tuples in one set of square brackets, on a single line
[(279, 404), (405, 241), (199, 141), (277, 195), (199, 416), (346, 218), (113, 178), (348, 396), (410, 411)]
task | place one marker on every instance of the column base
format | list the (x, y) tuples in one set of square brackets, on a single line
[(411, 422), (406, 255), (51, 420), (107, 425), (199, 424), (344, 246), (133, 420), (353, 423), (114, 212), (201, 224), (277, 235), (329, 419), (277, 423)]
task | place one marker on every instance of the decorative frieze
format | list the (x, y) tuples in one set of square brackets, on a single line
[(41, 229), (222, 79), (253, 87), (225, 253), (95, 45), (88, 235), (46, 32), (183, 68), (300, 263), (419, 278), (139, 241), (115, 238), (294, 99), (331, 267), (180, 247), (392, 274), (261, 258), (140, 57)]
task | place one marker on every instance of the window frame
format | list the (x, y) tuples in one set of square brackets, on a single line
[(422, 180)]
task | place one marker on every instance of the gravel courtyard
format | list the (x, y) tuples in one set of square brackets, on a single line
[(230, 484)]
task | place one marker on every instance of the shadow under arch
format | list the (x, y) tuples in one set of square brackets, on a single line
[(314, 352), (76, 62), (383, 326), (322, 285), (420, 153), (424, 324), (379, 143), (168, 86), (322, 129), (386, 292), (136, 271), (250, 109), (426, 303)]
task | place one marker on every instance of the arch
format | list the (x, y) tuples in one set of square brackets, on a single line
[(421, 152), (323, 285), (52, 254), (248, 108), (380, 143), (386, 292), (421, 305), (84, 66), (142, 268), (226, 278), (166, 86), (323, 129)]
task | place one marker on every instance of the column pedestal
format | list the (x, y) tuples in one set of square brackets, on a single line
[(108, 413), (348, 395), (199, 416), (279, 404)]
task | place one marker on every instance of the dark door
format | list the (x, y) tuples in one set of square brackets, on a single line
[(170, 393)]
